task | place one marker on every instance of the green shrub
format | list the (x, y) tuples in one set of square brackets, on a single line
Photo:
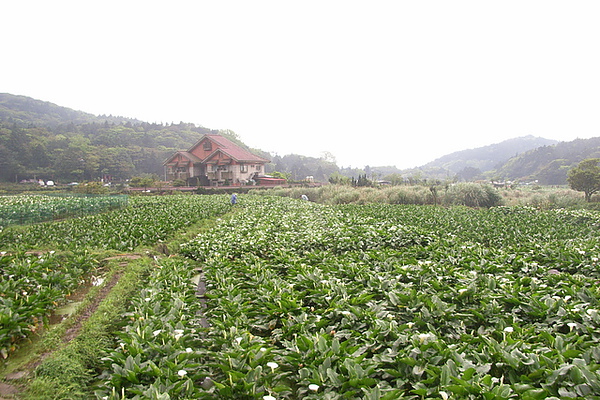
[(179, 183)]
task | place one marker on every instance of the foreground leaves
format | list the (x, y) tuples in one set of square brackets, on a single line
[(369, 302), (31, 286)]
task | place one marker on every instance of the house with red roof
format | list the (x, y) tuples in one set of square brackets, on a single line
[(214, 161)]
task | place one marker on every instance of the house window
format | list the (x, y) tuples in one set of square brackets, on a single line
[(258, 167), (207, 145), (222, 168), (180, 169), (243, 168)]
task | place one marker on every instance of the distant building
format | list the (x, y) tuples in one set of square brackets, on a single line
[(214, 161)]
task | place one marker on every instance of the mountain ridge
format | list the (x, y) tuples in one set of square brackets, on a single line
[(488, 157), (26, 110), (549, 164), (41, 138)]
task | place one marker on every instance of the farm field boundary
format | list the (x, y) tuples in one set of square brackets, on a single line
[(376, 301)]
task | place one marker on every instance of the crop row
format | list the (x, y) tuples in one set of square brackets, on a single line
[(145, 221), (312, 301), (157, 350), (38, 208), (31, 286)]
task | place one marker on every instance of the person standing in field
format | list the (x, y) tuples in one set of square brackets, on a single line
[(233, 199)]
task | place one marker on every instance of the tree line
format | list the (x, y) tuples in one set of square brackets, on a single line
[(90, 151)]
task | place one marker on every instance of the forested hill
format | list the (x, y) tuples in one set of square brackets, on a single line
[(489, 157), (549, 164), (43, 140), (477, 163), (544, 162), (25, 111)]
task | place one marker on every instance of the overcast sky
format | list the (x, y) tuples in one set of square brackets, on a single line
[(372, 82)]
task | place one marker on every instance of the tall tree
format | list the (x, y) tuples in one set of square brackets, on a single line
[(585, 177)]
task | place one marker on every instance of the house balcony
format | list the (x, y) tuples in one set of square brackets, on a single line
[(220, 175), (177, 175)]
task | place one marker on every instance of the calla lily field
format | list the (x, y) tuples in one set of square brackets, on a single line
[(278, 298)]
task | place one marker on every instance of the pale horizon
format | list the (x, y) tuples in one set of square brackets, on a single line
[(378, 83)]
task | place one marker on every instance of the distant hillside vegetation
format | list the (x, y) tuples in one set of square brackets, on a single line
[(26, 111), (549, 164), (475, 163), (489, 157), (41, 140)]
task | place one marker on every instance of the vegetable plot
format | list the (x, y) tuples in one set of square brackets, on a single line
[(25, 209), (371, 302), (145, 221), (31, 286)]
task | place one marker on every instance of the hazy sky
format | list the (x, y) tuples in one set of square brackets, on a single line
[(373, 82)]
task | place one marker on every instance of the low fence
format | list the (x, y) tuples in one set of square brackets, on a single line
[(30, 209)]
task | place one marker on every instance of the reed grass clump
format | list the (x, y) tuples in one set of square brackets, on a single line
[(472, 195), (467, 194), (545, 197)]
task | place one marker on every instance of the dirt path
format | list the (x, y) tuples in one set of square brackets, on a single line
[(8, 390), (72, 332)]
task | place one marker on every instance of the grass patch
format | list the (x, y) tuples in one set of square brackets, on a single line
[(69, 372)]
